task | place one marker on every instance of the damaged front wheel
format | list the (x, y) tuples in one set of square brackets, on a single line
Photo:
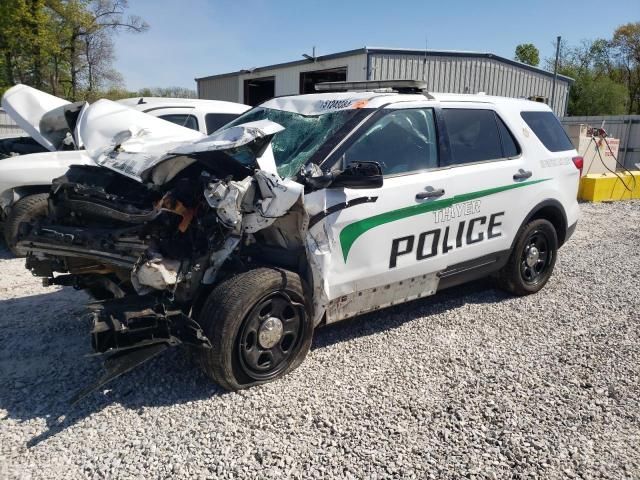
[(259, 328)]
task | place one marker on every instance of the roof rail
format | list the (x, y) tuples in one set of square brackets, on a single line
[(400, 86)]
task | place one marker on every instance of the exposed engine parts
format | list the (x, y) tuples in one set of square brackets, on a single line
[(146, 250)]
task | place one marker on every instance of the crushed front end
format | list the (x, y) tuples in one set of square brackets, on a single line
[(150, 246)]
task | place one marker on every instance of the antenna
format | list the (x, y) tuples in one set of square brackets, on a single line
[(426, 63), (312, 57)]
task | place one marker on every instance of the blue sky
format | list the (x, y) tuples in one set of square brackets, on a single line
[(195, 38)]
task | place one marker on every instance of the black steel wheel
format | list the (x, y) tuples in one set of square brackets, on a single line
[(536, 257), (532, 259), (270, 335), (259, 328)]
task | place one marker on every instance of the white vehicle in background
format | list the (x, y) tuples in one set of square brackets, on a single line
[(205, 116), (29, 164)]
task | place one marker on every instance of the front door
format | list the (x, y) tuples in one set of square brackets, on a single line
[(377, 238)]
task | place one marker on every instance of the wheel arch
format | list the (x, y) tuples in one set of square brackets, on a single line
[(551, 210), (28, 190), (276, 258), (12, 195)]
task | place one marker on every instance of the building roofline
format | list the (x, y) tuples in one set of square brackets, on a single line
[(463, 53), (392, 51), (320, 58)]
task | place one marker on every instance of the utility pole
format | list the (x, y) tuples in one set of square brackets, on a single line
[(424, 63), (555, 75)]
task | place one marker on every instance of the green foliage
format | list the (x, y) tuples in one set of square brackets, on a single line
[(169, 92), (25, 41), (64, 47), (626, 41), (597, 95), (116, 93), (528, 53), (606, 73)]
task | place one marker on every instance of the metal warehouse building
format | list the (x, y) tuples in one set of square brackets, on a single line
[(444, 71)]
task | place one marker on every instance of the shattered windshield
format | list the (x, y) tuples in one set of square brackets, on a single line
[(302, 137)]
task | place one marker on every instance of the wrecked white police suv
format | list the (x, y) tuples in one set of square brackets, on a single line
[(28, 164), (305, 210)]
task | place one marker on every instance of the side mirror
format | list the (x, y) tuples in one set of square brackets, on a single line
[(359, 175)]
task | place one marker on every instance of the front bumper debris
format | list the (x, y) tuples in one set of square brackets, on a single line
[(129, 331)]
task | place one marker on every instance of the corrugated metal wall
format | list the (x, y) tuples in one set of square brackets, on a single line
[(221, 88), (8, 127), (452, 74), (287, 78), (459, 74), (624, 127)]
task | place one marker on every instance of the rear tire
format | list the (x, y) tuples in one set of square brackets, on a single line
[(25, 210), (532, 259), (259, 328)]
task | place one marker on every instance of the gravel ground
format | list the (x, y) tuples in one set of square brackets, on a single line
[(471, 383)]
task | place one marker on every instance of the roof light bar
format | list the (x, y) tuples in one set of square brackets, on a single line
[(401, 86)]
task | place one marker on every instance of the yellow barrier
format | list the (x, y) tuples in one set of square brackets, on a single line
[(596, 187)]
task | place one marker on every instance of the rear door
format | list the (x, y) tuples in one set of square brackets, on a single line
[(488, 185)]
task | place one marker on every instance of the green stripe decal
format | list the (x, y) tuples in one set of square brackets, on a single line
[(351, 232)]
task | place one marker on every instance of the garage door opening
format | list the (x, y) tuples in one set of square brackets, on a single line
[(308, 80), (258, 90)]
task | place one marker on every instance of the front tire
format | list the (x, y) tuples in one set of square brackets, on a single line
[(532, 259), (25, 210), (259, 327)]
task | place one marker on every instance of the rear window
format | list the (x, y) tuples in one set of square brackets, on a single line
[(548, 129), (216, 120)]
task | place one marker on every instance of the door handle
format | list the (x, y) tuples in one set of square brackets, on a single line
[(522, 174), (430, 193)]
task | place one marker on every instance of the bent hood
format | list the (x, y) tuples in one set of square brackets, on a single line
[(26, 106), (255, 137), (134, 143), (128, 141)]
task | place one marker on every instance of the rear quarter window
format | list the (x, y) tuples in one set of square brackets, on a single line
[(216, 120), (547, 128), (510, 147), (182, 119)]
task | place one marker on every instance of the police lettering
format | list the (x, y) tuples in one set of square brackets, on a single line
[(442, 240)]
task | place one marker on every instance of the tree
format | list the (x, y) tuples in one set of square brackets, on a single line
[(528, 53), (169, 92), (597, 89), (25, 42), (99, 55), (87, 37), (596, 95), (626, 41), (64, 47)]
